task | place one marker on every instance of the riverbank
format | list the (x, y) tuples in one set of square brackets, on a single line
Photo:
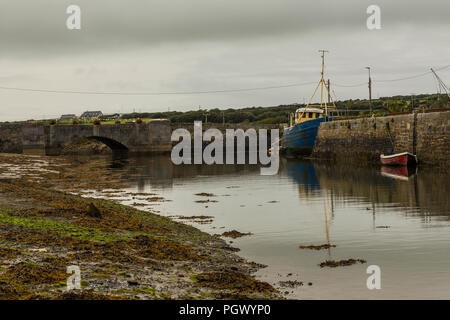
[(123, 253)]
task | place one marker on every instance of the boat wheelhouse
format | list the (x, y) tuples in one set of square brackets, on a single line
[(305, 114)]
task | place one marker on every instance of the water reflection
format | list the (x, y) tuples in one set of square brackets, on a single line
[(315, 203), (414, 191), (304, 174), (423, 192), (399, 173)]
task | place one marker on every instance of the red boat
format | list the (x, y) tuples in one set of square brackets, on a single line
[(399, 159)]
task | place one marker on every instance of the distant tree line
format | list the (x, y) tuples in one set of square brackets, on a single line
[(280, 114)]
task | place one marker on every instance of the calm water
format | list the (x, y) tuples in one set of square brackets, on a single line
[(312, 203)]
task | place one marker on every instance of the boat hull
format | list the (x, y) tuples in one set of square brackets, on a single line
[(399, 159), (300, 138)]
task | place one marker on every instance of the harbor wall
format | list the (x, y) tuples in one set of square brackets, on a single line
[(363, 140)]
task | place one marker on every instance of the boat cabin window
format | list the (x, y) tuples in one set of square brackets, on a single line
[(302, 116)]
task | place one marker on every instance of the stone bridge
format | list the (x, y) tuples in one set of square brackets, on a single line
[(152, 137)]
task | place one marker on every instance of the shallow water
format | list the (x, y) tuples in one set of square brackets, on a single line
[(313, 203)]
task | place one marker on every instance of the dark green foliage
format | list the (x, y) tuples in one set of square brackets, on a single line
[(263, 115), (280, 114)]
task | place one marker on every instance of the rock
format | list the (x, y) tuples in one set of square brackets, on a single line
[(290, 284), (132, 283), (93, 211)]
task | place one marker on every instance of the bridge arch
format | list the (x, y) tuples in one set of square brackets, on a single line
[(80, 144), (111, 143)]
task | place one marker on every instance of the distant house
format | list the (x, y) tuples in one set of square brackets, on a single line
[(91, 115), (113, 116), (68, 117)]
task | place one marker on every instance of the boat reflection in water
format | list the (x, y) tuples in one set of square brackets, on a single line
[(303, 173), (399, 173)]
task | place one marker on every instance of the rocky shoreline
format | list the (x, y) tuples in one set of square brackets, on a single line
[(48, 223)]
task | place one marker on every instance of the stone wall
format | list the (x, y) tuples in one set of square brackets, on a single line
[(363, 140), (159, 135), (33, 138), (11, 138), (223, 127), (433, 138), (234, 126), (51, 139)]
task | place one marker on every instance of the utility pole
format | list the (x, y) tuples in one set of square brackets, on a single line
[(370, 91), (223, 117)]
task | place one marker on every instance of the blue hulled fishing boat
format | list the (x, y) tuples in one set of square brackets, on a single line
[(300, 136)]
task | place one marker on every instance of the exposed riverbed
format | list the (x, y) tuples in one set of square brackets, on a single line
[(307, 224), (122, 252)]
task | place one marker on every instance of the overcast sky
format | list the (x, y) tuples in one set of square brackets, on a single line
[(207, 45)]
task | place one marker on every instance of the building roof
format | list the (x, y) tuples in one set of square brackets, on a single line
[(111, 115), (91, 114), (68, 116), (316, 110)]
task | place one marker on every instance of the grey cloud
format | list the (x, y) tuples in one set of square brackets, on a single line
[(38, 27), (199, 45)]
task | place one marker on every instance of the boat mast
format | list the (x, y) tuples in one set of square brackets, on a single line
[(323, 87), (322, 82)]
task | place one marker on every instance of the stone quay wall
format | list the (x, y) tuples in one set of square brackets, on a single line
[(363, 140)]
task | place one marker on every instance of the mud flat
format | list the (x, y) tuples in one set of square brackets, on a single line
[(48, 221)]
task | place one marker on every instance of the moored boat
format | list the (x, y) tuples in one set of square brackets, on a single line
[(299, 138), (399, 159)]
